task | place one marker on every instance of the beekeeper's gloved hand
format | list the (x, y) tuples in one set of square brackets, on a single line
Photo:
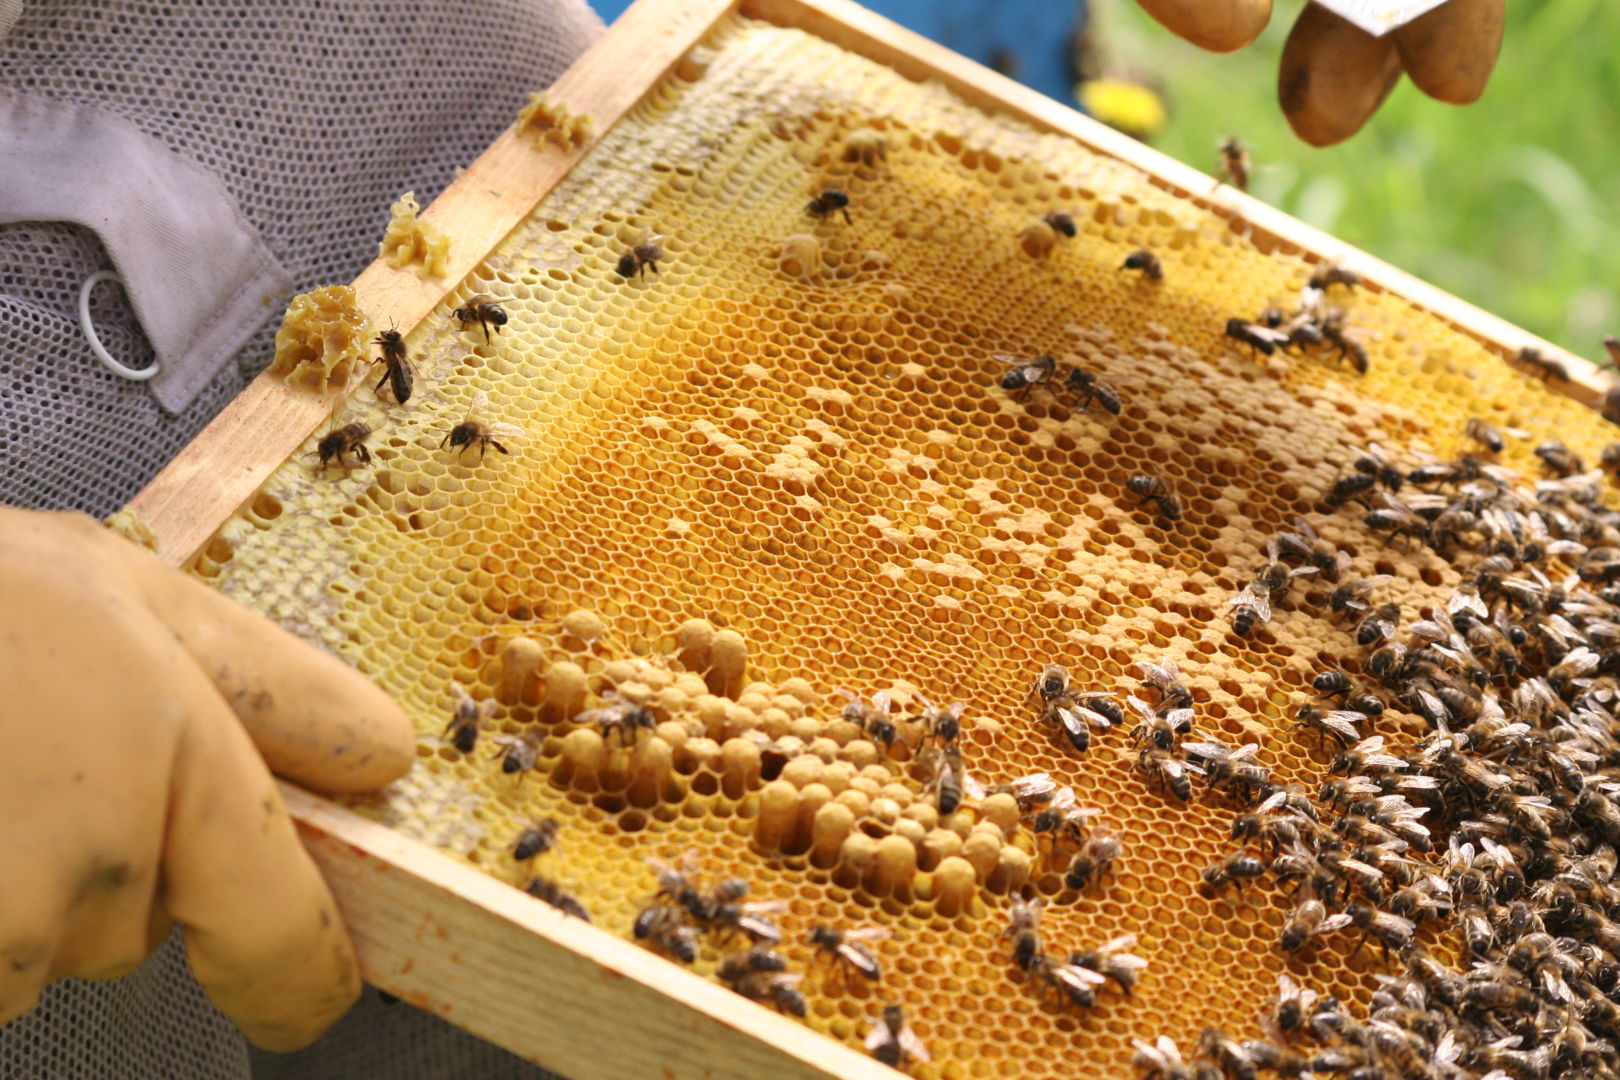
[(1334, 75), (132, 794)]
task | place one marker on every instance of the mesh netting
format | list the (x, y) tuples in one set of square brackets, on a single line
[(315, 117)]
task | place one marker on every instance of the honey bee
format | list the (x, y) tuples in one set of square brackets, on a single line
[(1111, 961), (1391, 931), (1062, 819), (1253, 606), (1234, 163), (1234, 770), (873, 719), (1164, 767), (1235, 868), (1158, 727), (1027, 373), (475, 431), (1379, 625), (1309, 919), (622, 718), (518, 753), (1352, 595), (1060, 706), (941, 724), (1230, 1056), (1334, 683), (469, 715), (1610, 456), (1031, 791), (949, 781), (1336, 724), (482, 310), (830, 201), (1145, 261), (338, 445), (1326, 276), (397, 370), (1334, 333), (538, 838), (1269, 829), (1061, 221), (1088, 388), (1542, 365), (892, 1042), (1024, 927), (1485, 434), (780, 988), (1294, 1004), (740, 962), (544, 889), (1367, 756), (1075, 984), (1153, 487), (1097, 854), (1161, 1060), (1256, 337), (666, 927), (845, 947), (1559, 459), (643, 255)]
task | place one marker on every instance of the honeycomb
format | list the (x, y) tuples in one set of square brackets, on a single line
[(784, 465)]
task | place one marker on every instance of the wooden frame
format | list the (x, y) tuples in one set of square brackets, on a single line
[(450, 939)]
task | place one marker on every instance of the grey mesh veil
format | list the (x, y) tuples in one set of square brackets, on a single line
[(313, 117)]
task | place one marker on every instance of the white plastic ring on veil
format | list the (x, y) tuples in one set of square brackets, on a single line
[(89, 328)]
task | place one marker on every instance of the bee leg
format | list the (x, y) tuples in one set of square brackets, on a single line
[(847, 219)]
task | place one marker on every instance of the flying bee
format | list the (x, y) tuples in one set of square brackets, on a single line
[(1024, 927), (778, 987), (1145, 261), (1097, 854), (1230, 1056), (537, 839), (1161, 1060), (1326, 276), (397, 370), (845, 947), (873, 720), (1559, 459), (1111, 961), (1236, 868), (665, 926), (337, 445), (642, 255), (1309, 919), (1158, 727), (829, 202), (1391, 931), (1061, 221), (1234, 163), (1027, 373), (469, 715), (1164, 767), (1153, 487), (892, 1042), (1088, 388), (482, 310), (548, 891), (1379, 625), (474, 430), (1255, 336), (619, 717), (518, 753)]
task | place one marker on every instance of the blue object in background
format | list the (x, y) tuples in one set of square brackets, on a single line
[(1028, 40)]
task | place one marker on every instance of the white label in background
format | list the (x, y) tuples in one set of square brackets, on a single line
[(1379, 17)]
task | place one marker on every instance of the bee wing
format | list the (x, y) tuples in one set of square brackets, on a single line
[(459, 692), (1009, 358), (971, 786), (1362, 868), (775, 907), (1064, 797), (1214, 751), (882, 702), (1344, 722), (1033, 785), (868, 933), (1245, 752), (1095, 719), (1286, 987), (911, 1045), (1141, 708), (1083, 977), (1124, 941), (878, 1036), (504, 431), (1333, 922), (479, 402)]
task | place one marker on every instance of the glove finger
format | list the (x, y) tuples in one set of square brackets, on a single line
[(1333, 76), (1450, 51), (316, 720), (1216, 25), (262, 932)]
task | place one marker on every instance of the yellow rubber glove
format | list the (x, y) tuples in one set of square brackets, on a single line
[(1334, 75), (131, 793)]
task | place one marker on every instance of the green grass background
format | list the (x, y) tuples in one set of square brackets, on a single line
[(1512, 203)]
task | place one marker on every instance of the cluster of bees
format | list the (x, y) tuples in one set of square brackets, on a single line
[(1311, 326), (346, 443), (1074, 980)]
